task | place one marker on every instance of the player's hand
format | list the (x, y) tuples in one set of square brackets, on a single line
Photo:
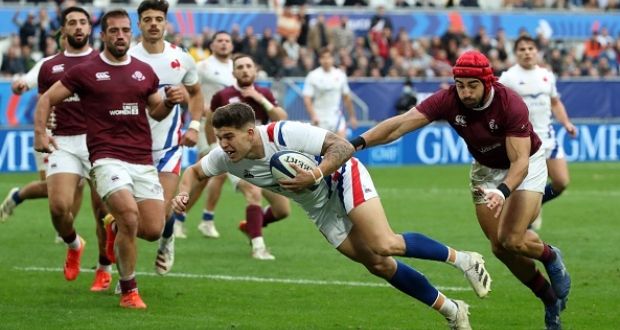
[(494, 198), (19, 87), (44, 143), (314, 120), (301, 181), (250, 91), (190, 138), (176, 94), (571, 129), (179, 203)]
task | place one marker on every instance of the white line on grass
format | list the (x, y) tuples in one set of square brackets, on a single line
[(247, 279)]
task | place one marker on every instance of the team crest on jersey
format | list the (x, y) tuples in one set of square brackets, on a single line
[(493, 126), (105, 75), (175, 64), (459, 120), (234, 99), (138, 76), (58, 68)]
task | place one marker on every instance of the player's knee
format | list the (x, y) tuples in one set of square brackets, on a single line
[(498, 250), (59, 209), (381, 268), (387, 247), (513, 243)]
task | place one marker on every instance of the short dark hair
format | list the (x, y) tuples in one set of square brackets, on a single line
[(240, 56), (112, 13), (221, 32), (524, 38), (323, 51), (234, 115), (160, 5), (74, 9)]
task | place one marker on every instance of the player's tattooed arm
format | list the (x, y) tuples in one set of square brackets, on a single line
[(336, 151)]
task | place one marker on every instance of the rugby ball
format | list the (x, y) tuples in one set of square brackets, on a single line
[(280, 163)]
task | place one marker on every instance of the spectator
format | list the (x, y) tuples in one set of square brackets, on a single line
[(271, 62), (318, 36), (237, 40), (592, 47), (304, 26), (27, 29), (342, 35), (408, 98), (288, 23), (291, 48), (12, 62), (357, 3)]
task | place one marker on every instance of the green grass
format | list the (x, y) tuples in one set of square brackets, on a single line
[(431, 200)]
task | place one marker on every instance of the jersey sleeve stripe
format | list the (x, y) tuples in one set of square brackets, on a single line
[(280, 136), (270, 129)]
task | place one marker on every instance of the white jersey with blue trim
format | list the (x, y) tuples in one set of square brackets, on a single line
[(326, 89), (276, 136), (173, 67), (215, 75), (536, 87)]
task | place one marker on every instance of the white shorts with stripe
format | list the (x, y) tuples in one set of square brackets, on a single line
[(552, 149), (168, 160), (349, 187), (489, 178), (41, 159), (111, 175), (70, 157)]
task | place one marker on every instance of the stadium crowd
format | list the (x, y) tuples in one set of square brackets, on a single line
[(291, 50)]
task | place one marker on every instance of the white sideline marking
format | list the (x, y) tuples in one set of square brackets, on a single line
[(247, 279)]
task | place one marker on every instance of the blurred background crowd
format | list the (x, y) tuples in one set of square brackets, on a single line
[(290, 50)]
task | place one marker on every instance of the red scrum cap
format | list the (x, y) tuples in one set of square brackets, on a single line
[(473, 64)]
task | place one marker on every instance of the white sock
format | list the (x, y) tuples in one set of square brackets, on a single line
[(448, 309), (105, 268), (76, 244), (462, 260), (258, 242), (164, 241)]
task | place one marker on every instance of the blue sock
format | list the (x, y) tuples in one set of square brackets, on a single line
[(179, 216), (414, 284), (422, 247), (549, 193), (168, 227), (208, 216), (16, 198)]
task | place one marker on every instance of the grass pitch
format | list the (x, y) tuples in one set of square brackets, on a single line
[(216, 285)]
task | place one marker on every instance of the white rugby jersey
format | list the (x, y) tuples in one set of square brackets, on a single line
[(326, 89), (276, 136), (536, 87), (215, 76), (173, 67), (31, 77)]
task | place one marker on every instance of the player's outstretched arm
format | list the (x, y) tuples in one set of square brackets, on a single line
[(56, 94), (189, 181), (391, 129)]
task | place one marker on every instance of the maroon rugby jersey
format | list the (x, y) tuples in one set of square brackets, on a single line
[(484, 131), (114, 98), (231, 94), (69, 116)]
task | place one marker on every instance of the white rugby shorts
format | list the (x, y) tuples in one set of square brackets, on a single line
[(168, 160), (111, 175), (70, 157), (349, 187), (490, 178)]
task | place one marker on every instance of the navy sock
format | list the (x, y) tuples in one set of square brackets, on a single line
[(414, 284), (16, 198), (208, 216), (168, 228), (180, 216), (549, 194), (422, 247)]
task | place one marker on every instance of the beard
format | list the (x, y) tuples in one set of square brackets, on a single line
[(246, 82), (116, 52), (77, 44)]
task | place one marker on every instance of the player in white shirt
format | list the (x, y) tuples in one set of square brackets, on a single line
[(537, 87), (173, 67), (343, 204), (216, 73), (324, 89)]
